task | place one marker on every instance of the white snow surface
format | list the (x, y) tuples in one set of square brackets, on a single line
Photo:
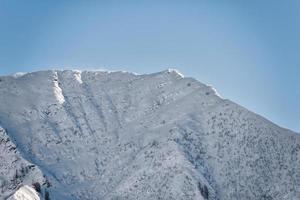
[(116, 135), (25, 193)]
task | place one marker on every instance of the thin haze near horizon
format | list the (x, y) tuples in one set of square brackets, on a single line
[(248, 50)]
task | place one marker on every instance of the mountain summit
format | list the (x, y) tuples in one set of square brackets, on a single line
[(115, 135)]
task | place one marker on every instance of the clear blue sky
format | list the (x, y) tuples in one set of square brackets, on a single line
[(248, 50)]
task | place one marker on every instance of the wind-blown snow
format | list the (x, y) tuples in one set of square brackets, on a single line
[(116, 135), (58, 91), (77, 76)]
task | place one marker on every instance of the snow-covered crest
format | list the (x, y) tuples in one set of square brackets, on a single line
[(170, 70), (18, 74), (101, 135)]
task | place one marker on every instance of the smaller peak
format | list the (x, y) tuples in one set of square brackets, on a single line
[(18, 74), (173, 72)]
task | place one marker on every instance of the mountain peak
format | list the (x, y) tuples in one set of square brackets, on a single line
[(118, 135)]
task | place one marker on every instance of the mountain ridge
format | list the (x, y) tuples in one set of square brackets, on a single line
[(91, 133), (168, 70)]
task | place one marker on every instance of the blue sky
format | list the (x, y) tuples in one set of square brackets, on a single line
[(248, 50)]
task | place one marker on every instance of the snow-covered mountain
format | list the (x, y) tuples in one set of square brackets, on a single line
[(117, 135)]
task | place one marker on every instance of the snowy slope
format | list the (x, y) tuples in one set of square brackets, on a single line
[(15, 171), (102, 135)]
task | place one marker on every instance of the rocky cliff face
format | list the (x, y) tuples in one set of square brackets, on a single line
[(101, 135)]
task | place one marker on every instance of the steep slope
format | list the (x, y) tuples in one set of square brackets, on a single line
[(101, 135), (15, 171)]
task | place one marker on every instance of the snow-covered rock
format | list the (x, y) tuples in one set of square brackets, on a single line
[(25, 193), (118, 135), (14, 169)]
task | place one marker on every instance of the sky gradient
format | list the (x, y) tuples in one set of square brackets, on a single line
[(248, 50)]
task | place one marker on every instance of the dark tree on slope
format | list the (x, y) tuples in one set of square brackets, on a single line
[(47, 196), (203, 190), (37, 187)]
